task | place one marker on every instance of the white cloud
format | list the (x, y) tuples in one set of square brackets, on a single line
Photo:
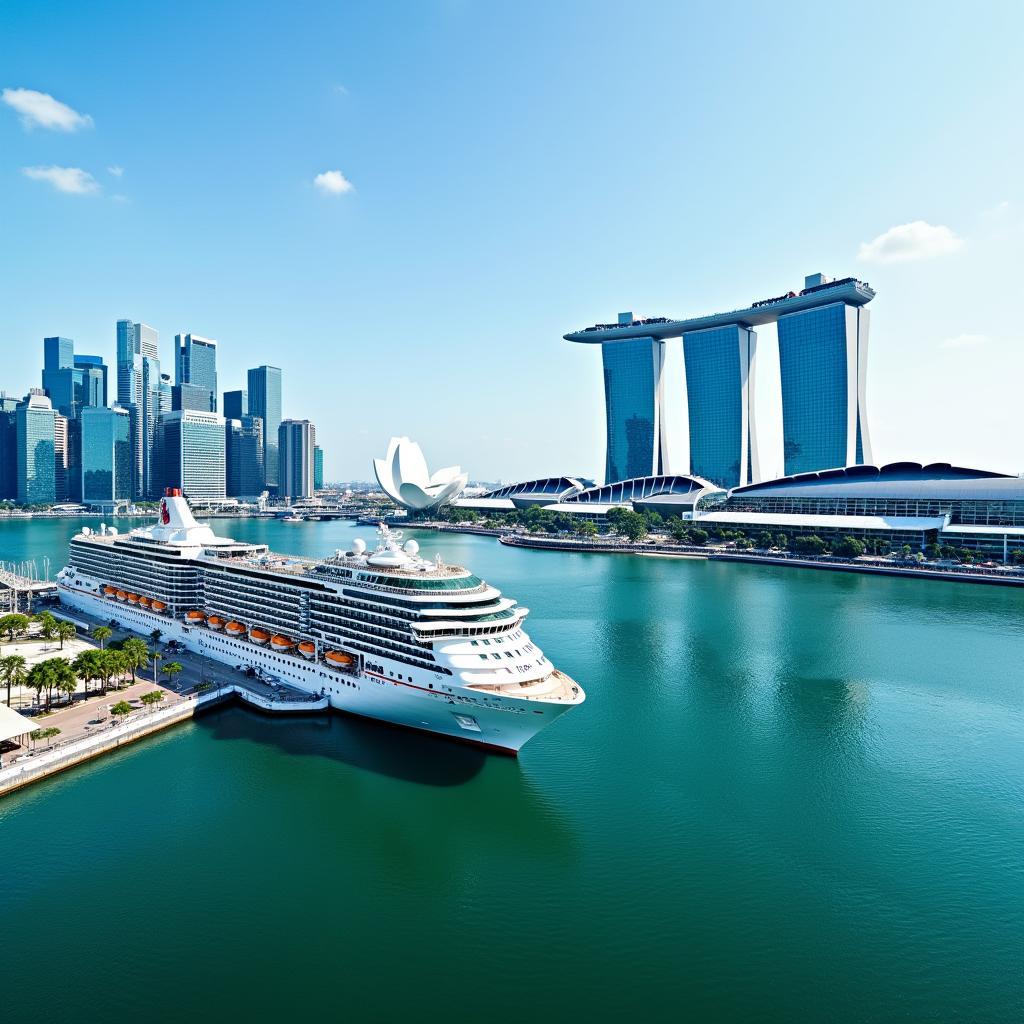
[(115, 171), (905, 243), (966, 341), (333, 183), (39, 108), (340, 90), (64, 179)]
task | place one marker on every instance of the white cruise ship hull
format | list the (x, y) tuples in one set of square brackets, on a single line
[(491, 721)]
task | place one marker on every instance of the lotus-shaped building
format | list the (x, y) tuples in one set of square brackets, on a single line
[(405, 479)]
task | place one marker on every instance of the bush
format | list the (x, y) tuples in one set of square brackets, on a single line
[(810, 545), (699, 537)]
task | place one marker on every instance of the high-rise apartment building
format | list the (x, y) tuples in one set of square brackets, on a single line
[(106, 456), (191, 453), (244, 456), (296, 441), (35, 424), (195, 363), (236, 405), (264, 387)]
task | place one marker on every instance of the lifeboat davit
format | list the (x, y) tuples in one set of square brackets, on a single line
[(158, 606), (122, 595), (194, 616), (215, 622), (307, 649), (110, 591), (258, 636), (133, 598), (234, 629), (145, 601), (338, 658), (281, 643)]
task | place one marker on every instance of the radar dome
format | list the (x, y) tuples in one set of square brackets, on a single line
[(410, 547), (358, 546)]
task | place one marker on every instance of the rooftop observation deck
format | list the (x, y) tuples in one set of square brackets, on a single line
[(765, 311)]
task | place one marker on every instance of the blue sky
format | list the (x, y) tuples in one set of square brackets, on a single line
[(517, 171)]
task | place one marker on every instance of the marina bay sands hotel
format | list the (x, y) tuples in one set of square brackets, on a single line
[(823, 347)]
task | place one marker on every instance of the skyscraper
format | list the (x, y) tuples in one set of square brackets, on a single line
[(190, 396), (296, 441), (8, 449), (94, 379), (68, 385), (244, 454), (166, 393), (720, 404), (236, 405), (633, 400), (36, 461), (195, 362), (192, 453), (61, 458), (265, 401), (128, 360), (318, 468), (106, 456), (823, 365)]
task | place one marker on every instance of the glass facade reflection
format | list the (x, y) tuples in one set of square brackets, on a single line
[(720, 403), (822, 362), (264, 387), (196, 364), (35, 425), (106, 455), (632, 394), (192, 453)]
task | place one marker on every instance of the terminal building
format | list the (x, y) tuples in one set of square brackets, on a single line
[(823, 346)]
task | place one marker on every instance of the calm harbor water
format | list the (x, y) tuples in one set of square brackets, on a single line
[(789, 796)]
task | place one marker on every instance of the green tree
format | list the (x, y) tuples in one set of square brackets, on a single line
[(906, 550), (171, 669), (13, 671), (13, 625), (155, 636), (810, 545), (101, 634), (39, 677), (44, 734), (47, 625), (152, 698), (87, 666), (66, 631), (848, 547), (121, 708), (136, 654), (120, 665), (631, 525), (782, 542), (932, 551), (765, 541), (586, 529), (699, 537)]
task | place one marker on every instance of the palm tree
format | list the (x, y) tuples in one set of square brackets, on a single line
[(155, 636), (136, 653), (65, 680), (87, 667), (171, 669), (38, 678), (66, 631), (156, 657), (13, 672), (47, 625), (101, 634)]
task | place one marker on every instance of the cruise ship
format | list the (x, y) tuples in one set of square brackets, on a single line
[(386, 634)]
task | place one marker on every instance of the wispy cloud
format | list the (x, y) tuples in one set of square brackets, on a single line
[(64, 179), (115, 171), (40, 108), (333, 183), (966, 341), (340, 90), (906, 243)]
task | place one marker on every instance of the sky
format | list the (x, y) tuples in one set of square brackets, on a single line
[(406, 205)]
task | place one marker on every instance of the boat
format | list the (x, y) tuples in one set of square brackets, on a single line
[(290, 519), (110, 591), (376, 630), (145, 601), (133, 598)]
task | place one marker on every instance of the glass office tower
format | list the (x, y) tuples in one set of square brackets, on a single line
[(244, 455), (236, 405), (36, 423), (296, 443), (720, 365), (128, 359), (318, 468), (264, 386), (195, 363), (823, 365), (106, 459), (633, 395), (192, 453)]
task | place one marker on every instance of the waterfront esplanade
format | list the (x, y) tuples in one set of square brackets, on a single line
[(823, 343)]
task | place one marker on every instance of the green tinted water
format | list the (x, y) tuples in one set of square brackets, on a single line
[(789, 796)]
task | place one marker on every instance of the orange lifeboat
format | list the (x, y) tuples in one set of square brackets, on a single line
[(307, 649), (158, 606), (133, 598), (215, 622), (194, 616), (281, 643), (109, 590), (145, 601), (258, 636), (122, 595), (234, 629), (338, 658)]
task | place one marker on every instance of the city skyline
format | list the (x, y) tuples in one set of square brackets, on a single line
[(478, 242)]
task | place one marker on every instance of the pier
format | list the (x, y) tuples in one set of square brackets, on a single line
[(20, 586)]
